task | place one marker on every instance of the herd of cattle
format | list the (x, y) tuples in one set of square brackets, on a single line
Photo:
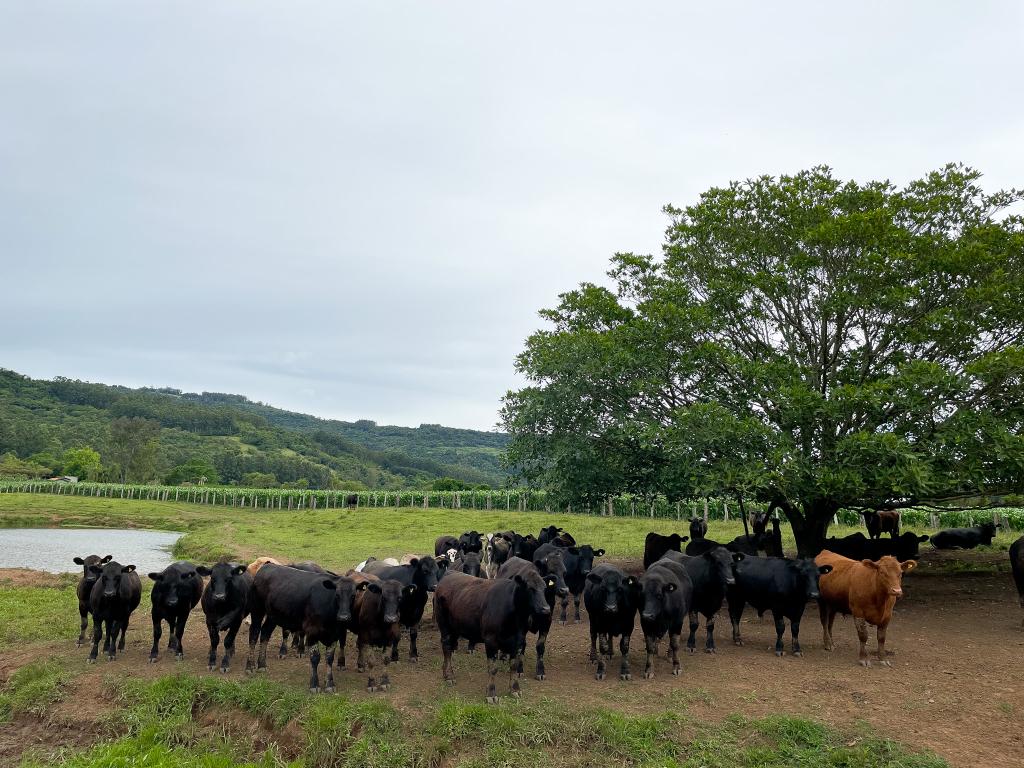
[(497, 589)]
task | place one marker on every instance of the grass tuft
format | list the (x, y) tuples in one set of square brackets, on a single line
[(33, 688)]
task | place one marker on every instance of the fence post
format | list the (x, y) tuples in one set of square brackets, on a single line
[(725, 511)]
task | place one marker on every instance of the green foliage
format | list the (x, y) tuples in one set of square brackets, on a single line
[(259, 480), (195, 471), (132, 447), (13, 467), (33, 688), (449, 484), (83, 463), (808, 343)]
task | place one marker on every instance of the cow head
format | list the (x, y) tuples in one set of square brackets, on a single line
[(889, 574), (807, 573), (425, 573), (88, 575), (389, 594), (585, 555), (908, 545), (548, 533), (471, 541), (109, 576), (698, 528), (722, 563), (176, 584), (618, 588), (221, 576), (344, 596), (530, 588), (655, 588), (524, 546), (552, 566), (471, 563)]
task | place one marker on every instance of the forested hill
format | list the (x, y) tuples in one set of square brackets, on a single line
[(241, 441)]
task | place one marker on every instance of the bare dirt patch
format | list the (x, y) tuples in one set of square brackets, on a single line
[(26, 577), (955, 684)]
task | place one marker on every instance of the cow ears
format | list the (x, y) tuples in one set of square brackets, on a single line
[(574, 550), (154, 575), (328, 584), (107, 558), (870, 564), (736, 556), (670, 587), (908, 565), (922, 538), (414, 562), (202, 570), (598, 552), (373, 586), (593, 577), (520, 580), (683, 538), (823, 569), (238, 570), (79, 561)]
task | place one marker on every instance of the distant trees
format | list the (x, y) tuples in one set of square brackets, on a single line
[(449, 484), (197, 471), (11, 467), (132, 448), (83, 463), (259, 480)]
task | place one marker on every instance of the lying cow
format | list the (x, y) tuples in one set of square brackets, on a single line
[(857, 546), (176, 591), (779, 585), (656, 545), (84, 588), (115, 595), (225, 603), (865, 589), (612, 599), (495, 612), (666, 599), (965, 538)]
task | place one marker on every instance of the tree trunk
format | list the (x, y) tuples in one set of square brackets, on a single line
[(810, 524)]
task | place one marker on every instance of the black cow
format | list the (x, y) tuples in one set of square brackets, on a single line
[(298, 639), (656, 545), (495, 612), (769, 542), (857, 546), (318, 606), (548, 533), (1017, 566), (176, 592), (965, 538), (550, 561), (666, 600), (85, 588), (420, 571), (377, 624), (540, 623), (564, 539), (579, 562), (496, 552), (698, 528), (524, 546), (698, 547), (225, 603), (443, 544), (712, 575), (759, 522), (777, 584), (114, 596), (612, 599), (471, 541), (466, 563)]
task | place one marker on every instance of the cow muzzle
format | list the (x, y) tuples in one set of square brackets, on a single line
[(896, 591), (220, 597), (109, 593), (648, 616), (392, 619)]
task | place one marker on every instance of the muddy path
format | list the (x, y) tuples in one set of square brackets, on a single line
[(956, 684)]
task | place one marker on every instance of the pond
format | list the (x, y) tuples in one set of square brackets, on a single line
[(54, 549)]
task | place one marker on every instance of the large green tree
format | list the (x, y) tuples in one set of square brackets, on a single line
[(805, 342), (132, 446)]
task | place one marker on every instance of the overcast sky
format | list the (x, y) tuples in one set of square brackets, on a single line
[(356, 209)]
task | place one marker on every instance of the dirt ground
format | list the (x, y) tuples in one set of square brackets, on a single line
[(956, 684)]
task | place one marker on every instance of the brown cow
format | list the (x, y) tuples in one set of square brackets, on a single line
[(258, 563), (864, 588)]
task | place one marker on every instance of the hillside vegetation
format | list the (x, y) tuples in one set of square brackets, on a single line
[(222, 438)]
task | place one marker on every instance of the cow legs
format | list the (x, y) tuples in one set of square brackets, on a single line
[(158, 628), (314, 672), (229, 645), (394, 650), (84, 614), (780, 630), (211, 629), (385, 678), (604, 653), (329, 681), (492, 671), (673, 647), (282, 652), (97, 635), (735, 614), (172, 634), (447, 648), (828, 617), (255, 619), (651, 644), (123, 627), (624, 650), (576, 605), (342, 639), (862, 637), (691, 641), (593, 645), (265, 632), (542, 640), (794, 632), (179, 632), (880, 635), (709, 625), (565, 609), (414, 654), (514, 660), (366, 654)]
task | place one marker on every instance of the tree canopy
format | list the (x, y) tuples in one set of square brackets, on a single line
[(803, 341)]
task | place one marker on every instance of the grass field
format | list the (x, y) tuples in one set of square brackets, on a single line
[(188, 719)]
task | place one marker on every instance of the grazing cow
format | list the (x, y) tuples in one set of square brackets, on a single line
[(466, 563), (318, 606), (225, 603), (424, 573), (612, 599), (495, 612), (656, 545), (777, 584), (540, 623), (114, 596), (864, 588), (579, 562), (377, 624), (176, 592), (698, 528), (965, 538), (85, 588), (445, 543), (665, 602), (1017, 566), (471, 541), (712, 575), (496, 552)]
